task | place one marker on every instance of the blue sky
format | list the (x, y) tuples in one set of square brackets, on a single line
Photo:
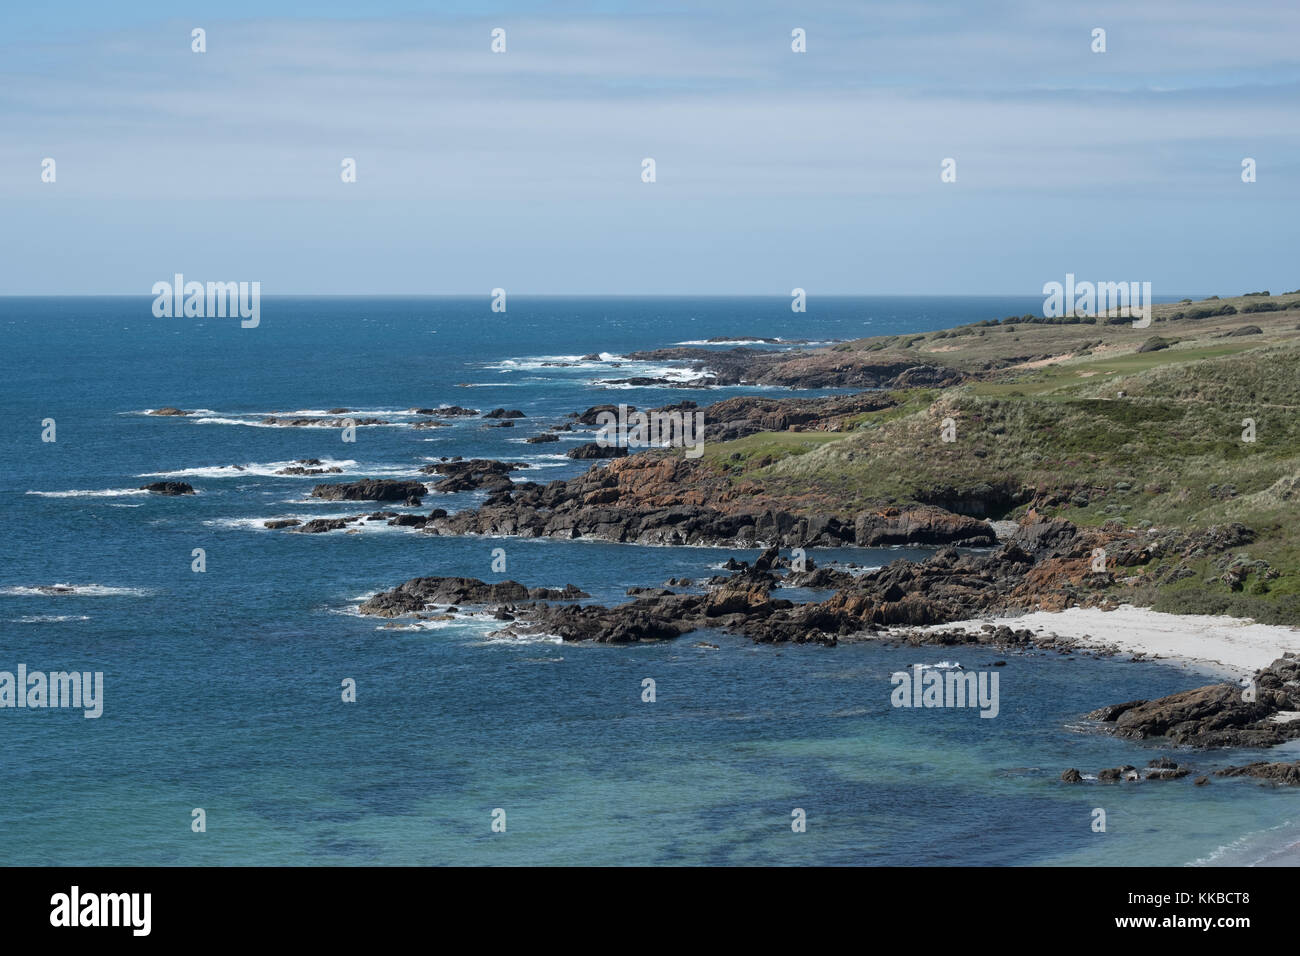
[(774, 169)]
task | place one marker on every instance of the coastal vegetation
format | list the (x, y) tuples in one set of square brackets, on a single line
[(1081, 423)]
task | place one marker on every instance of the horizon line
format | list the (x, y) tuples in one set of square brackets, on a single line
[(584, 295)]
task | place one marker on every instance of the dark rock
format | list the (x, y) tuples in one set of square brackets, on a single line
[(1217, 715), (171, 488), (1160, 774), (592, 415), (321, 422), (321, 525), (371, 489), (1113, 711), (446, 411), (1287, 774), (409, 521), (309, 466), (474, 474), (593, 449), (419, 594)]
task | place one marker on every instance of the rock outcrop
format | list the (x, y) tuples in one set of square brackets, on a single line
[(171, 488), (1217, 715), (371, 489), (420, 594), (473, 474)]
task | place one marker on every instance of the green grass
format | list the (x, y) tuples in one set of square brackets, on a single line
[(756, 451), (1168, 454), (1095, 371)]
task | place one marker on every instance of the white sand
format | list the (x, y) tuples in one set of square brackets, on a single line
[(1224, 646)]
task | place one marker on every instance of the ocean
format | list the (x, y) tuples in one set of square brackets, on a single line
[(222, 689)]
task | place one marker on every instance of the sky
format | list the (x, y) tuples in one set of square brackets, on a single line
[(773, 169)]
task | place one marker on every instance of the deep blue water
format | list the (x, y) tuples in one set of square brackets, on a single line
[(222, 689)]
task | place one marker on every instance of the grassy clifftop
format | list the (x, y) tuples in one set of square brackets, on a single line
[(1018, 342), (1094, 423)]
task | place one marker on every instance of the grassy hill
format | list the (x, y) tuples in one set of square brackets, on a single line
[(1080, 421)]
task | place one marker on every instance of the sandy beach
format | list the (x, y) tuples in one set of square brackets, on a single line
[(1222, 646)]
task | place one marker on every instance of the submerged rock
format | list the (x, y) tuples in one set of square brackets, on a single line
[(1280, 773)]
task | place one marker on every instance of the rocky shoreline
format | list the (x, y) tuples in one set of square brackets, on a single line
[(747, 366), (1042, 564), (891, 605), (993, 508)]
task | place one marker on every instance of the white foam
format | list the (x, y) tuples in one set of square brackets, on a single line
[(192, 413), (91, 493), (729, 342), (530, 363), (461, 620), (74, 590), (255, 469), (1263, 846), (670, 373), (259, 524), (363, 526), (48, 618), (521, 639), (258, 423), (350, 413)]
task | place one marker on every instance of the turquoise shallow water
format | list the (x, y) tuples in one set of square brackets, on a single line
[(222, 688)]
